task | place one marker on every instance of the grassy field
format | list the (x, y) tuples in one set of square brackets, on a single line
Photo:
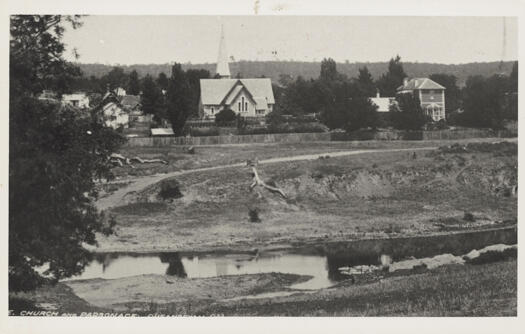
[(212, 155), (336, 198)]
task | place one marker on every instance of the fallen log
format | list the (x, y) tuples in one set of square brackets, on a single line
[(120, 160), (258, 182)]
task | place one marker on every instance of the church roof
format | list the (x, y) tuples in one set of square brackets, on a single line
[(420, 83), (214, 91)]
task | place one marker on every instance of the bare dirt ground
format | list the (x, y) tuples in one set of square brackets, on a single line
[(340, 196)]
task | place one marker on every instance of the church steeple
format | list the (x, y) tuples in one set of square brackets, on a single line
[(223, 68)]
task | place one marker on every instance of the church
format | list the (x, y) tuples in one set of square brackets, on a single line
[(246, 97)]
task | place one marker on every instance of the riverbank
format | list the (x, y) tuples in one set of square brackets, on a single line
[(488, 289), (336, 198)]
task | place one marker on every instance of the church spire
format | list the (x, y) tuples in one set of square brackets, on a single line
[(223, 68)]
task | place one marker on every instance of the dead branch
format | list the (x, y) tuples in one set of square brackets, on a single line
[(120, 160), (258, 182)]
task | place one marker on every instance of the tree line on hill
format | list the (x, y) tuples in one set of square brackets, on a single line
[(310, 70)]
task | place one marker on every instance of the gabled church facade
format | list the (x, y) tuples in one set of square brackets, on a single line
[(246, 97)]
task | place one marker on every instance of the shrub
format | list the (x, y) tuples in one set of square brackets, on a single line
[(170, 189), (469, 217), (224, 117), (204, 132), (254, 215)]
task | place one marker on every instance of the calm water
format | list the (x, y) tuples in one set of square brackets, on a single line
[(110, 266), (323, 269)]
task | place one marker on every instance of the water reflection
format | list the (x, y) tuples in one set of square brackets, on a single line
[(175, 266)]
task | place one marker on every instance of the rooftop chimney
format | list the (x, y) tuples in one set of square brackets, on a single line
[(405, 81), (377, 93)]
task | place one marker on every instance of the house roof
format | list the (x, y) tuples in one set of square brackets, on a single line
[(162, 132), (233, 94), (214, 91), (130, 101), (382, 103), (260, 103), (73, 97), (420, 83)]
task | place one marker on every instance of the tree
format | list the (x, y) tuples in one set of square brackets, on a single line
[(366, 83), (115, 78), (55, 153), (389, 81), (163, 81), (483, 101), (407, 114), (513, 79), (178, 99), (452, 92), (328, 70), (194, 77), (133, 87), (152, 99), (225, 116)]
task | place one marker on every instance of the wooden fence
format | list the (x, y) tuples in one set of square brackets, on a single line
[(220, 140), (322, 136)]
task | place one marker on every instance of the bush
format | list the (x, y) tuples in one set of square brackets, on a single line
[(312, 127), (254, 215), (204, 132), (469, 217), (224, 117), (170, 189)]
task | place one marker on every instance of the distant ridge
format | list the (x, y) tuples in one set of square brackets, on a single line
[(272, 69)]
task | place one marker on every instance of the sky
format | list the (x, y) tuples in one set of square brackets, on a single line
[(129, 40)]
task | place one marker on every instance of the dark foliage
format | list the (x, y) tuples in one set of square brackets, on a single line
[(133, 84), (178, 99), (170, 189), (253, 214), (365, 82), (452, 92), (407, 114), (55, 154), (484, 101), (310, 70), (152, 100), (390, 81), (225, 116)]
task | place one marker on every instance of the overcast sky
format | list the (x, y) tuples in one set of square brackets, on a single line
[(195, 39)]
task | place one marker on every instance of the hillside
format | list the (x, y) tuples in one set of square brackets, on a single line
[(272, 69)]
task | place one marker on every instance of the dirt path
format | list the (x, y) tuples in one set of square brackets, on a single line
[(139, 184)]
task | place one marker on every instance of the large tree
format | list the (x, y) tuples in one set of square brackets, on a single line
[(115, 78), (55, 153), (152, 99), (484, 101), (452, 92), (178, 99), (133, 87), (392, 79), (194, 77), (366, 83), (407, 113)]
